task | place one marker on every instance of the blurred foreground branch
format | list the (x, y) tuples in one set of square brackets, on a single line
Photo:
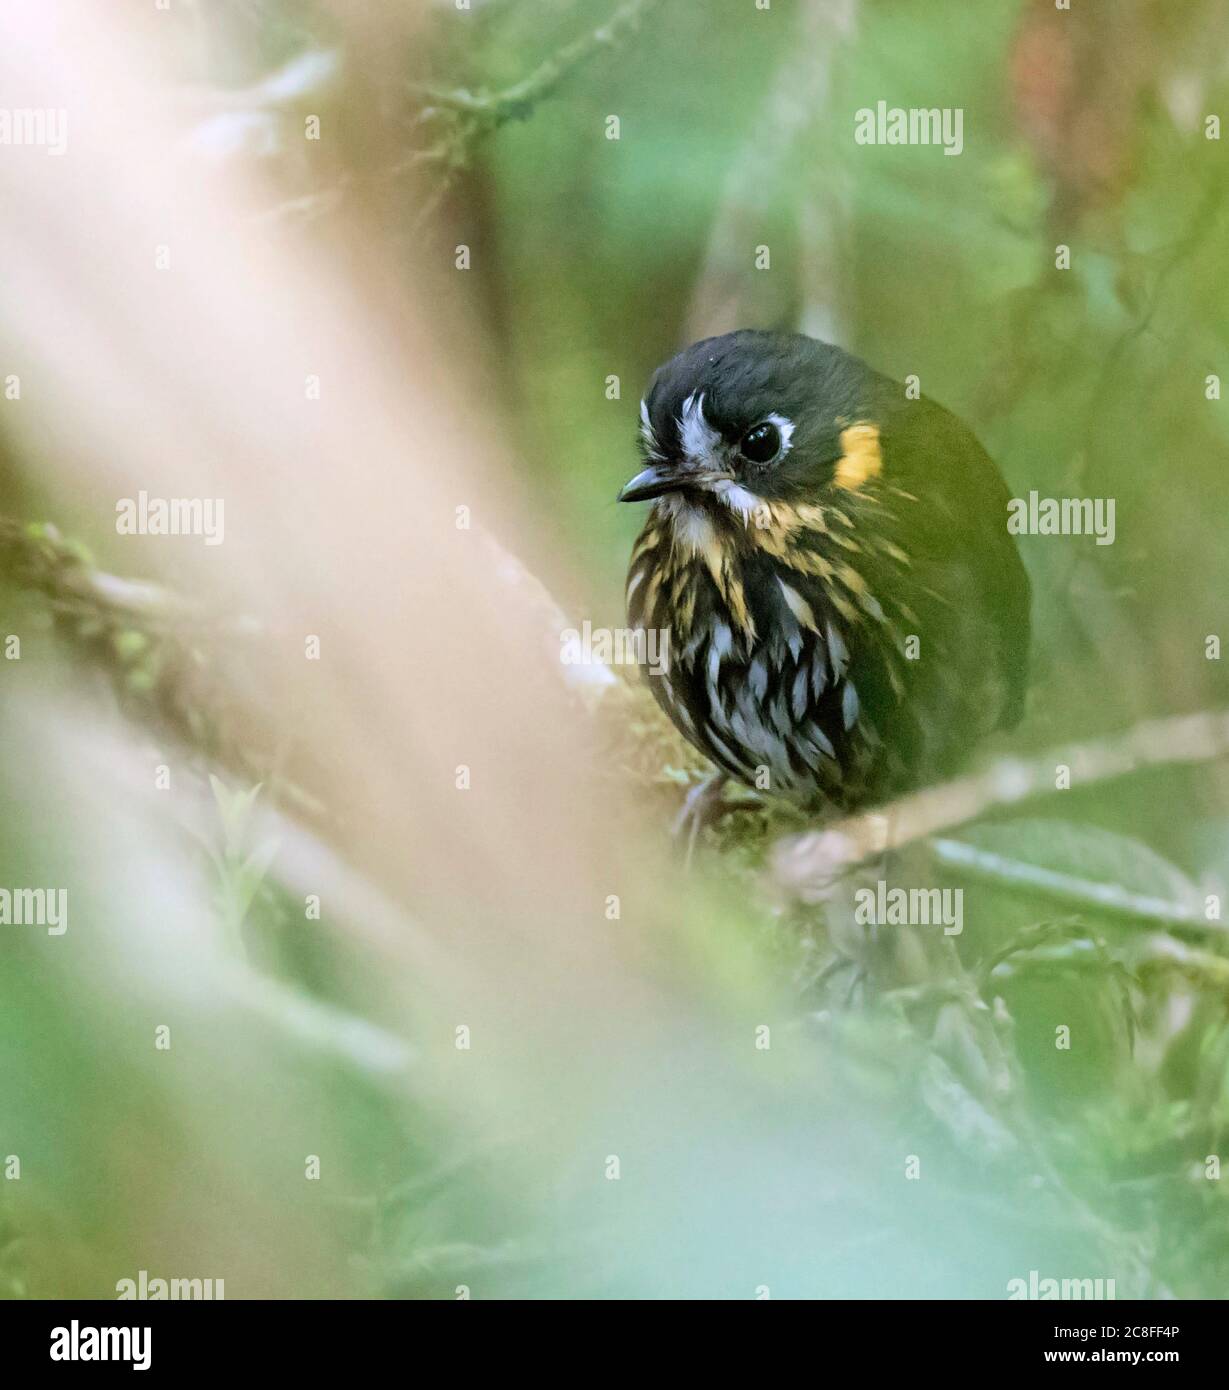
[(157, 647)]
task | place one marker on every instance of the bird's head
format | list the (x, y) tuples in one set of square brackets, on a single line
[(752, 419)]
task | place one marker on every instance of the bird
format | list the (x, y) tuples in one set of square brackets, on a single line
[(827, 568)]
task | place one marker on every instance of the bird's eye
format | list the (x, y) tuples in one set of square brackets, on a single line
[(761, 444)]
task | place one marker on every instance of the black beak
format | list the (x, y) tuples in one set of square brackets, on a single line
[(652, 482)]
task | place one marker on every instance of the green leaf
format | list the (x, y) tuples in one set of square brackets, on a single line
[(235, 809)]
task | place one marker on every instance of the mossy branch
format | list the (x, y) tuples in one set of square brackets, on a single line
[(460, 118)]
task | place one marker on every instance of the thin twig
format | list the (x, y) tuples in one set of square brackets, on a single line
[(1110, 898), (805, 865), (463, 117), (517, 101)]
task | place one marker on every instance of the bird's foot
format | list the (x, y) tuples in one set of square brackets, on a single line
[(703, 805)]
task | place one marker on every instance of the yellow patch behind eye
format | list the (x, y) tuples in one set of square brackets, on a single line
[(861, 457)]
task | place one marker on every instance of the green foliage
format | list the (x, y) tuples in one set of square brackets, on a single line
[(240, 867)]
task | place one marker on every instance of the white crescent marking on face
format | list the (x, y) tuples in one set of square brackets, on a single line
[(646, 433), (700, 440), (786, 430)]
